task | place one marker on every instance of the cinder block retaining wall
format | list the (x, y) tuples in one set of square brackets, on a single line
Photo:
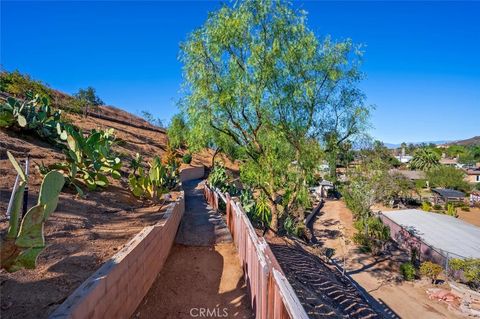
[(116, 289), (191, 173)]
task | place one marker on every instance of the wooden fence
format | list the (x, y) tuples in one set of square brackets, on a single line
[(271, 295)]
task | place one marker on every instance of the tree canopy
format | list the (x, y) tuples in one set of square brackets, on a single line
[(425, 159), (259, 82)]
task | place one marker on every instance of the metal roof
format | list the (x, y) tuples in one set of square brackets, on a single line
[(449, 193), (443, 232)]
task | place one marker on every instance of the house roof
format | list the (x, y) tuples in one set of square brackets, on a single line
[(473, 171), (409, 174), (448, 193), (444, 233), (448, 161)]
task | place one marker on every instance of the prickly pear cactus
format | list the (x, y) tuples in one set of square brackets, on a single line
[(25, 240)]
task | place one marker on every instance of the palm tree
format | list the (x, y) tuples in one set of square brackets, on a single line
[(425, 159)]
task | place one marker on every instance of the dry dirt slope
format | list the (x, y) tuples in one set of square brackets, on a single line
[(83, 232)]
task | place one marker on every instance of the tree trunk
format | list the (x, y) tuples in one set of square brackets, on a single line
[(333, 167), (217, 150), (274, 222)]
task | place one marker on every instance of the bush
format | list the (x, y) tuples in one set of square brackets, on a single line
[(448, 177), (466, 208), (470, 268), (293, 228), (408, 271), (451, 210), (430, 270), (437, 207), (421, 183), (372, 234), (426, 206), (187, 158)]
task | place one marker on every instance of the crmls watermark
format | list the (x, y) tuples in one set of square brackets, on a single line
[(209, 312)]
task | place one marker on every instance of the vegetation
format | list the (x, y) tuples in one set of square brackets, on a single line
[(448, 177), (89, 159), (34, 115), (430, 270), (426, 206), (218, 177), (86, 99), (177, 132), (157, 181), (372, 234), (451, 210), (408, 271), (425, 159), (25, 239), (261, 86), (22, 85), (150, 118), (470, 268), (187, 158), (19, 85)]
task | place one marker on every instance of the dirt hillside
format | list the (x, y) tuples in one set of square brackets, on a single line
[(83, 232)]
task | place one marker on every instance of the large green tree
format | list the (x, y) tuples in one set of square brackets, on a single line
[(273, 91), (448, 177)]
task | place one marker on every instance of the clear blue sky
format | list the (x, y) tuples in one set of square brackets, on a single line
[(422, 58)]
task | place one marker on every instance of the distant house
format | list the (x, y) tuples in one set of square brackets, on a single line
[(473, 176), (404, 158), (451, 162), (446, 195), (475, 198)]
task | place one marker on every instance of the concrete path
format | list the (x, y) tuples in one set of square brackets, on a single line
[(202, 276), (200, 225)]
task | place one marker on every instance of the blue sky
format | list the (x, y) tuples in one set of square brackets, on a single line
[(422, 58)]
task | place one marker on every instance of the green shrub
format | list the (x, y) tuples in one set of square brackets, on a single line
[(187, 158), (451, 211), (372, 234), (262, 210), (420, 183), (465, 208), (19, 85), (293, 227), (426, 206), (25, 238), (218, 176), (90, 159), (470, 268), (430, 270), (437, 207), (157, 181), (408, 271), (34, 115)]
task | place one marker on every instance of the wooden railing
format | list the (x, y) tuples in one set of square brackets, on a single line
[(271, 295)]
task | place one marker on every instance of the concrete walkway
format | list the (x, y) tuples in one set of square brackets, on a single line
[(202, 276)]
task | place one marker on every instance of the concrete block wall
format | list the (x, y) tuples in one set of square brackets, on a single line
[(116, 289)]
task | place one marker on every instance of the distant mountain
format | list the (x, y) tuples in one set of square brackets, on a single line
[(470, 141), (392, 145)]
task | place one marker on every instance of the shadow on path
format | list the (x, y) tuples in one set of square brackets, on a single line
[(202, 273)]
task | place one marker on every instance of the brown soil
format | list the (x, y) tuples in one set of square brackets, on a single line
[(320, 287), (203, 273), (472, 217), (83, 232), (379, 276), (198, 279)]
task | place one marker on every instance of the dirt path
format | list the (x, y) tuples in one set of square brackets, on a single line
[(378, 276), (202, 276)]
